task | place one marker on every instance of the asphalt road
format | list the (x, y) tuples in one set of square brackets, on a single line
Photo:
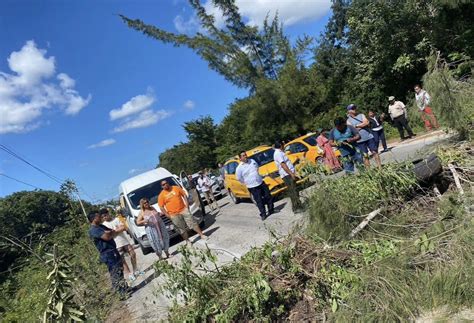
[(232, 232)]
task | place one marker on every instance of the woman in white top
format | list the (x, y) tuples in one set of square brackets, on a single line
[(123, 245)]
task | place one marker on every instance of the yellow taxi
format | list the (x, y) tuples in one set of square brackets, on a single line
[(263, 155), (305, 148)]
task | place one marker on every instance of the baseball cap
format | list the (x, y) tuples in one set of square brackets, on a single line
[(391, 98), (351, 107)]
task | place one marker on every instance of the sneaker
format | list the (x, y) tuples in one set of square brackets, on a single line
[(139, 273), (132, 277), (204, 238)]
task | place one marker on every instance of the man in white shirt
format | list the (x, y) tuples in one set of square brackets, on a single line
[(398, 113), (205, 186), (422, 101), (286, 169), (247, 173)]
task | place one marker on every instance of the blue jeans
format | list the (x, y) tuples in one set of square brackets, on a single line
[(379, 136), (115, 266), (349, 161)]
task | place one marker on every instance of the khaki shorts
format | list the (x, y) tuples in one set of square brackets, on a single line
[(183, 221)]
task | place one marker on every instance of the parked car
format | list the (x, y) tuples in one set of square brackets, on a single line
[(147, 185), (263, 155), (306, 149)]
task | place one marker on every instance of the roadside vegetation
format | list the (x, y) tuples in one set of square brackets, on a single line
[(368, 51), (415, 257)]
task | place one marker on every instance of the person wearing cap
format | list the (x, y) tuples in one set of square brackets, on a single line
[(366, 142), (345, 137), (423, 102), (123, 244), (287, 172), (377, 130), (398, 114), (247, 173), (103, 239)]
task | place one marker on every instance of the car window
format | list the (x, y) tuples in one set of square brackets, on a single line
[(150, 191), (298, 147), (231, 167), (263, 157), (311, 140)]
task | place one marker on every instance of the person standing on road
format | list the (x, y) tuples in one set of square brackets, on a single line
[(205, 186), (103, 239), (376, 128), (398, 113), (155, 228), (345, 137), (330, 159), (123, 244), (247, 174), (423, 102), (366, 142), (173, 203), (287, 172)]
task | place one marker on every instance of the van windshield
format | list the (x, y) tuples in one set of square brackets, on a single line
[(263, 157), (150, 191)]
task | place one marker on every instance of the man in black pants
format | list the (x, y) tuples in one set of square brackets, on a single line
[(247, 174), (398, 113), (103, 239), (286, 169)]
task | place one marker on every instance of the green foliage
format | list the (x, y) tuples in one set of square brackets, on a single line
[(336, 204), (452, 100), (61, 306)]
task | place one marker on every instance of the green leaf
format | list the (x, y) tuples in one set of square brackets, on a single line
[(334, 305)]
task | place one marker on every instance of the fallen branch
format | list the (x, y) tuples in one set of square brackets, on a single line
[(366, 221), (456, 178)]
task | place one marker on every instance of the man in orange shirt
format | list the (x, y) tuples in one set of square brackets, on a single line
[(173, 203)]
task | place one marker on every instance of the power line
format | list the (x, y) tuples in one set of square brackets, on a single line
[(19, 181), (11, 152)]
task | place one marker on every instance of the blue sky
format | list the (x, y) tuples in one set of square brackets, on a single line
[(56, 112)]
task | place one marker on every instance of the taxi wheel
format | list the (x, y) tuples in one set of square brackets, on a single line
[(234, 198), (320, 161)]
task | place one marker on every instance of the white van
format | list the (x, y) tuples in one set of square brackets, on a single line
[(148, 185)]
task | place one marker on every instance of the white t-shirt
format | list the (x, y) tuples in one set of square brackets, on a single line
[(121, 239), (280, 157), (204, 184), (247, 173)]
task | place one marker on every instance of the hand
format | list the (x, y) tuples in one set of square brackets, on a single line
[(293, 176), (120, 228)]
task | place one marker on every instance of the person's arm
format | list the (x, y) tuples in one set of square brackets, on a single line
[(364, 123), (332, 142), (141, 219), (238, 174), (161, 204), (111, 234), (184, 197), (287, 170), (426, 98), (355, 133)]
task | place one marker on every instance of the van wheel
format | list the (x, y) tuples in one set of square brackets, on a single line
[(234, 198)]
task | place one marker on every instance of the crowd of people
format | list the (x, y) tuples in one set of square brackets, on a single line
[(356, 137)]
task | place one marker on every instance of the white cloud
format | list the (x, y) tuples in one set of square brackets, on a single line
[(30, 88), (142, 120), (189, 105), (255, 11), (103, 143), (186, 26), (134, 105)]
